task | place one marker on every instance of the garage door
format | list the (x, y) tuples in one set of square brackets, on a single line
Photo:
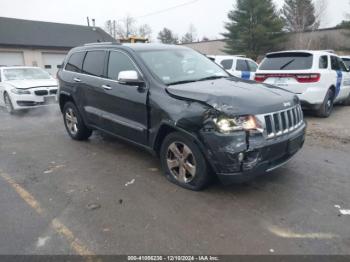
[(11, 59), (52, 62)]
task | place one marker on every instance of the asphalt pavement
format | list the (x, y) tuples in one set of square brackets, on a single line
[(105, 196)]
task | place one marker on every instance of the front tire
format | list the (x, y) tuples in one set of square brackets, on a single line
[(183, 163), (8, 104), (74, 123), (327, 105)]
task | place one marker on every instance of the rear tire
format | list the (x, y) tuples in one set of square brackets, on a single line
[(74, 123), (8, 104), (183, 163), (327, 105)]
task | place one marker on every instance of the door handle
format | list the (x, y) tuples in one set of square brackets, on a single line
[(106, 87), (77, 80)]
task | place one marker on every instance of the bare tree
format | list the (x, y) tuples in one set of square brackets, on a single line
[(126, 27), (299, 15), (145, 31), (190, 36), (110, 28), (320, 11), (320, 16), (303, 15)]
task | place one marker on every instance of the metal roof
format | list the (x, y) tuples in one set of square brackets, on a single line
[(28, 33)]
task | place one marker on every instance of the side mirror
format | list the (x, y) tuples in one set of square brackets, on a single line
[(129, 78)]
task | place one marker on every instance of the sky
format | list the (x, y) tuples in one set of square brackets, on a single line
[(208, 16)]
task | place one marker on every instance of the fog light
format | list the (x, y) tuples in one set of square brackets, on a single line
[(240, 157)]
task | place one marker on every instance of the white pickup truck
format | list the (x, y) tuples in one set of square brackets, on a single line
[(319, 78)]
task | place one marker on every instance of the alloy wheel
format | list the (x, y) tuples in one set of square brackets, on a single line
[(181, 162), (71, 121)]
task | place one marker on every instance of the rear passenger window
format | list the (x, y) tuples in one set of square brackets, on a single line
[(242, 65), (323, 62), (227, 64), (75, 62), (252, 66), (94, 63), (335, 63), (118, 62)]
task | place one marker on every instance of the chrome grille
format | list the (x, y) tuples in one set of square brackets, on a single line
[(41, 92), (283, 122)]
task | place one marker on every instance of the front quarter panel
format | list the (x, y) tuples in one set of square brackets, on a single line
[(5, 87), (195, 119)]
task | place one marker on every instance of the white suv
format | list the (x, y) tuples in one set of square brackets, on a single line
[(26, 88), (238, 66), (319, 78)]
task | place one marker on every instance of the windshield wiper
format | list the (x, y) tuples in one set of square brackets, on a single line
[(196, 80), (182, 82), (287, 64), (212, 78)]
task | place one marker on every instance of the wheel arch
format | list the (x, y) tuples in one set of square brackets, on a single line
[(333, 88), (166, 128), (64, 98)]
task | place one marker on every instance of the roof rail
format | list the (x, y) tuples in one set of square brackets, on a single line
[(102, 43)]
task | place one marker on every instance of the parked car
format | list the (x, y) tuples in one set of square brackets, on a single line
[(238, 66), (26, 88), (179, 105), (319, 78)]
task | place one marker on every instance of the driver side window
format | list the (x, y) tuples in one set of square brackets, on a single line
[(118, 62)]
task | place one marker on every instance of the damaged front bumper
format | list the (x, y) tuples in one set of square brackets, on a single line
[(242, 156)]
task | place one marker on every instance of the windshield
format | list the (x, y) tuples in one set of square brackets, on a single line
[(287, 61), (25, 74), (174, 66)]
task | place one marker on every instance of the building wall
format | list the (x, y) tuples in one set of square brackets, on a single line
[(37, 57), (324, 39), (213, 47), (33, 57)]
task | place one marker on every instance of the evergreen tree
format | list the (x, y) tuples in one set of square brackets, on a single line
[(299, 15), (166, 36), (254, 28)]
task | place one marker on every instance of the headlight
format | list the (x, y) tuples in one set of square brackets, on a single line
[(244, 123), (18, 91)]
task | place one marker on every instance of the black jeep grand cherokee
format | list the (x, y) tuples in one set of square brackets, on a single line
[(180, 105)]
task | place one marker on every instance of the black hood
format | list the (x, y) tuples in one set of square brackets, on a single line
[(236, 97)]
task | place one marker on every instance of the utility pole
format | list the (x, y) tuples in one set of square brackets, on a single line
[(93, 24), (114, 30)]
